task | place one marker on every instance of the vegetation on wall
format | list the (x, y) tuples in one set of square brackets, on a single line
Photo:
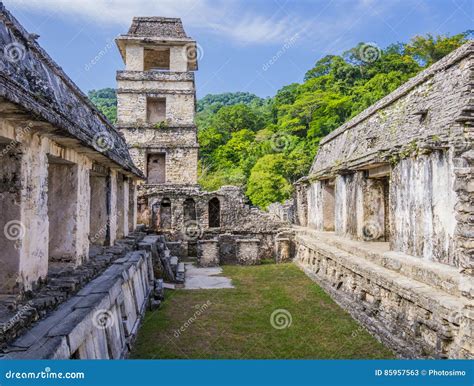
[(265, 145)]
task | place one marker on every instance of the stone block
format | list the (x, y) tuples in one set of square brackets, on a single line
[(247, 251), (208, 253)]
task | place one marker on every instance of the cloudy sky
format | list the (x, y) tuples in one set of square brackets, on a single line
[(256, 46)]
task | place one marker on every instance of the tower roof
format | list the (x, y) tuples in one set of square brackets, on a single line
[(157, 27), (156, 30)]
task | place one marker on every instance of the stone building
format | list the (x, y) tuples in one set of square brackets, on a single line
[(68, 213), (156, 99), (386, 213)]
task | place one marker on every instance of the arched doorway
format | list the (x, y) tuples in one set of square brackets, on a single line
[(165, 213), (214, 213)]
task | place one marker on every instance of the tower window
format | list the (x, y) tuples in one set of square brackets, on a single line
[(156, 110), (156, 59), (156, 168)]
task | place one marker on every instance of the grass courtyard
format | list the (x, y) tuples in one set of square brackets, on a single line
[(274, 312)]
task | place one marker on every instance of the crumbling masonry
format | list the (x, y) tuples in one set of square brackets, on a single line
[(72, 282), (384, 220), (156, 106)]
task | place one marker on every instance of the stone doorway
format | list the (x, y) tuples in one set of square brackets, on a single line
[(214, 213), (165, 213)]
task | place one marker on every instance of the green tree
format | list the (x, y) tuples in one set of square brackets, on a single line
[(106, 101), (429, 49)]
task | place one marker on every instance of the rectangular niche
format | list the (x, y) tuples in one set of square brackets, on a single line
[(328, 207), (156, 110), (156, 168), (156, 59)]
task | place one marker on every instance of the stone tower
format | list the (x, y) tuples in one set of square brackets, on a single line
[(156, 100)]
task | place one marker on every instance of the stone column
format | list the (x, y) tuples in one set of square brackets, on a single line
[(112, 206), (283, 249), (209, 253), (24, 229), (247, 251), (125, 205)]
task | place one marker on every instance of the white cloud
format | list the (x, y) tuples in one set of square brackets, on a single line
[(218, 16)]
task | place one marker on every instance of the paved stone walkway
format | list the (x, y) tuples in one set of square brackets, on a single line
[(205, 278)]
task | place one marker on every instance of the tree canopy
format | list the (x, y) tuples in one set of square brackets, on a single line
[(266, 144)]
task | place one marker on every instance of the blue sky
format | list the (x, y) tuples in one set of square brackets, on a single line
[(238, 38)]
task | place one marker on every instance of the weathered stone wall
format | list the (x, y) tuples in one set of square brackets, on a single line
[(99, 322), (422, 203), (416, 308), (132, 107), (237, 219), (47, 200), (418, 139), (396, 183)]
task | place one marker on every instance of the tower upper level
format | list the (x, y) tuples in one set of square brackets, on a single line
[(157, 43)]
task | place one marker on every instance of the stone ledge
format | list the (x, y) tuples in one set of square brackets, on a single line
[(413, 318), (166, 76), (443, 277)]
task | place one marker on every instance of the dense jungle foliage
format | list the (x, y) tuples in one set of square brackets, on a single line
[(265, 145)]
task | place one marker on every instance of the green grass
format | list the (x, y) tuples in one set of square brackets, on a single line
[(235, 324)]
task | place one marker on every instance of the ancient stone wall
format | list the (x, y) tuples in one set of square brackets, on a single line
[(387, 214), (417, 309), (418, 139), (236, 218), (52, 142), (99, 322)]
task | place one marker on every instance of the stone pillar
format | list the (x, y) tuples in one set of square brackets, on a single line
[(120, 205), (283, 249), (134, 58), (209, 253), (247, 251), (24, 229), (374, 208), (125, 205), (11, 228), (112, 206), (132, 206)]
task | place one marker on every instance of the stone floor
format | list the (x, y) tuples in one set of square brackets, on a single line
[(205, 278)]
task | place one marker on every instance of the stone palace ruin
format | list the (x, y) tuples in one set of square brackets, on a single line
[(94, 216)]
